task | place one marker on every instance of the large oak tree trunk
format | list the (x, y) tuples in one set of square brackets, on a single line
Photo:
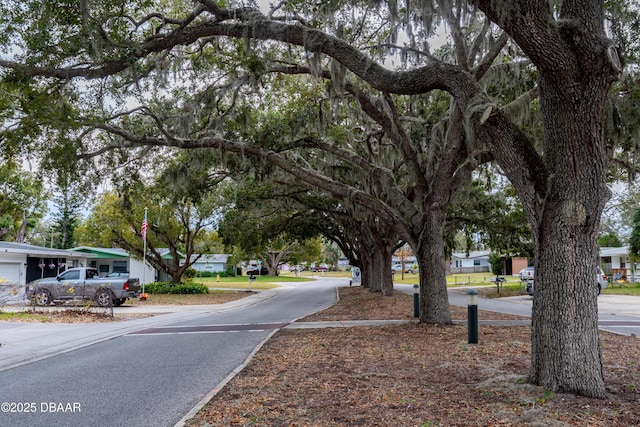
[(564, 191), (367, 272), (375, 285), (566, 352), (384, 257), (434, 301), (271, 262), (380, 268)]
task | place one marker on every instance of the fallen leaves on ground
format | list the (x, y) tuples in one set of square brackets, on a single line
[(413, 375)]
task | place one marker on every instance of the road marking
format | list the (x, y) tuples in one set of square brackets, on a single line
[(209, 329)]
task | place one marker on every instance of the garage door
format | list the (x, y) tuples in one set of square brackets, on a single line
[(9, 273), (10, 291)]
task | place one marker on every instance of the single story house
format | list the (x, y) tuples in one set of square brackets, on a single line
[(616, 263), (109, 260), (474, 262), (21, 263), (213, 263)]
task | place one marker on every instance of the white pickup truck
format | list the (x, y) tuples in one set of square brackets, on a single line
[(601, 280), (83, 284)]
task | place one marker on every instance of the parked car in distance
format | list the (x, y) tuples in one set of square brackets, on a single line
[(83, 284), (397, 268), (526, 273), (601, 280)]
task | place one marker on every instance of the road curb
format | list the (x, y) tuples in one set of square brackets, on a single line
[(192, 413)]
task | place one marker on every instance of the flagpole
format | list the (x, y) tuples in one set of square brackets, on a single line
[(144, 250)]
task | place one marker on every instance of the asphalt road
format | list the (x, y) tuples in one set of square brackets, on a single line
[(616, 313), (152, 376)]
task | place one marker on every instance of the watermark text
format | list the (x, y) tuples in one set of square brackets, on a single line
[(41, 407)]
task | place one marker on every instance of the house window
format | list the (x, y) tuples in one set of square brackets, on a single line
[(623, 264), (476, 262), (93, 264), (104, 269), (120, 266)]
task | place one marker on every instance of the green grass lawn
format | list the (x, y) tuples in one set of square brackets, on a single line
[(266, 282), (242, 282), (512, 286), (623, 289), (21, 316), (468, 279), (311, 275)]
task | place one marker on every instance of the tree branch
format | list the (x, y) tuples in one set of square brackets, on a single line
[(480, 70), (532, 25)]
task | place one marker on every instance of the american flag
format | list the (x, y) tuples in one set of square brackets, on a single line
[(143, 229)]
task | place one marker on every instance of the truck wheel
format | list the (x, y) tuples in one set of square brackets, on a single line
[(118, 302), (103, 298), (43, 297)]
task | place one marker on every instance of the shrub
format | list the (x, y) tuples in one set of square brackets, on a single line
[(496, 262), (176, 288), (229, 272), (157, 287), (190, 288), (190, 273)]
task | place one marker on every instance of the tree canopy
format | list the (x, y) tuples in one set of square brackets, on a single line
[(22, 202), (263, 222), (114, 82), (634, 241), (177, 227)]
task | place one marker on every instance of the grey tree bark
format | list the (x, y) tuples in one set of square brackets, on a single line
[(564, 192)]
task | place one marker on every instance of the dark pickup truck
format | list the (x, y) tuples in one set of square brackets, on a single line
[(83, 284)]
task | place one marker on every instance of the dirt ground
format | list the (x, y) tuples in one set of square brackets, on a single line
[(77, 313), (413, 375)]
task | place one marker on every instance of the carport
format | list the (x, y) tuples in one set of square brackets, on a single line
[(21, 263)]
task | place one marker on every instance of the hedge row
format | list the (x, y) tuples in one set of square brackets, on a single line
[(227, 273), (176, 288)]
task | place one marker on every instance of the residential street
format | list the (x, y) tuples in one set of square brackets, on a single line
[(155, 370), (140, 375)]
